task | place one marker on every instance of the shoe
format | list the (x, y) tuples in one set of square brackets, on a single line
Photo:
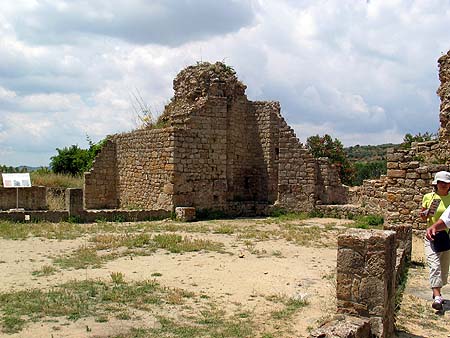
[(438, 303)]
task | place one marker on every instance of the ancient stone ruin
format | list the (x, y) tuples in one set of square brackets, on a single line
[(215, 150)]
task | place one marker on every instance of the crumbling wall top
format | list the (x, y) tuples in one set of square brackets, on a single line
[(204, 79), (444, 67), (194, 84)]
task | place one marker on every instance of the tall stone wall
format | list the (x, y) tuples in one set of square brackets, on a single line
[(145, 169), (268, 123), (200, 158), (297, 176), (100, 184), (219, 156), (444, 94)]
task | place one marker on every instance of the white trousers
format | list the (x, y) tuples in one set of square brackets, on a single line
[(438, 263)]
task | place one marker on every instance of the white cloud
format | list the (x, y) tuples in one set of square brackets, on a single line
[(167, 22), (70, 68)]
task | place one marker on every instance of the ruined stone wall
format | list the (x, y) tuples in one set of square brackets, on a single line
[(219, 156), (408, 181), (444, 94), (133, 171), (398, 195), (100, 184), (218, 151), (297, 175), (32, 198), (329, 187), (268, 121), (145, 169), (200, 157)]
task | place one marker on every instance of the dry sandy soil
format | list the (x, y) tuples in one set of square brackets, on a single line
[(245, 277)]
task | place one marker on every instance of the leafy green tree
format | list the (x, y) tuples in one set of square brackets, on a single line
[(409, 138), (70, 160), (74, 160), (368, 170), (325, 146)]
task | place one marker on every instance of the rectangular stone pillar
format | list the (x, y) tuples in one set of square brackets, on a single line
[(366, 277), (74, 202)]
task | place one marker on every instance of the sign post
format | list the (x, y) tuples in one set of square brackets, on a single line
[(16, 181)]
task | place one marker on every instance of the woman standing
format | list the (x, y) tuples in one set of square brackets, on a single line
[(437, 260)]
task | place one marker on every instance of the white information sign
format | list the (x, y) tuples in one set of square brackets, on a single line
[(16, 180)]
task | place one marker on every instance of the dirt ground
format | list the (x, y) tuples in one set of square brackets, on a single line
[(241, 279)]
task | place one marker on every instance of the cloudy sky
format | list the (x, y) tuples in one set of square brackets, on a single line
[(363, 71)]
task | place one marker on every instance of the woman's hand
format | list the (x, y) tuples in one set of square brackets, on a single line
[(436, 227), (423, 214)]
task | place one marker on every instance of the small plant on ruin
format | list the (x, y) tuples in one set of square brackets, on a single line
[(144, 114)]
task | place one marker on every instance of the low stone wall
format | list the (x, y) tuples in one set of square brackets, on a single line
[(34, 216), (118, 215), (398, 195), (247, 209), (371, 196), (347, 211), (408, 181), (33, 198), (85, 217)]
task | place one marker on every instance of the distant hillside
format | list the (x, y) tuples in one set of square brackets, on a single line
[(368, 153), (19, 169)]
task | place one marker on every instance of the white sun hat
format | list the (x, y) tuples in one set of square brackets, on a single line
[(443, 176)]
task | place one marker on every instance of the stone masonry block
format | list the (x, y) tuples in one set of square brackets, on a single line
[(366, 276), (344, 327), (396, 173), (185, 214)]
